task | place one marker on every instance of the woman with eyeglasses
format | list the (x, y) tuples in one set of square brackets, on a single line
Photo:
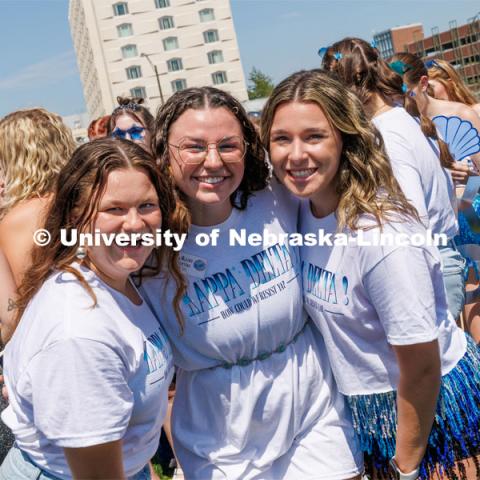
[(413, 155), (131, 121), (448, 85), (255, 397)]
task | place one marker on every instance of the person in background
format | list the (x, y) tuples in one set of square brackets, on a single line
[(34, 145), (415, 158), (419, 103), (381, 309), (80, 309), (447, 84), (132, 121), (98, 128)]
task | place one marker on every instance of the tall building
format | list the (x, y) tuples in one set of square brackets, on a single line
[(153, 48), (396, 39), (458, 45)]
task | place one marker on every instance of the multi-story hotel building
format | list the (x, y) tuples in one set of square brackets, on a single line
[(153, 48)]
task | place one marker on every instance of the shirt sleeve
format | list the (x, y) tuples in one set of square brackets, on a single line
[(404, 288), (406, 172), (80, 393)]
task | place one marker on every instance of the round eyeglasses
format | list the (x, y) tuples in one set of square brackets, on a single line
[(193, 152)]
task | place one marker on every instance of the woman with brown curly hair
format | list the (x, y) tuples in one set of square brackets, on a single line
[(255, 397), (88, 367), (380, 304)]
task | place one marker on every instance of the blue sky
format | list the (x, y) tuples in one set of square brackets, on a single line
[(38, 64)]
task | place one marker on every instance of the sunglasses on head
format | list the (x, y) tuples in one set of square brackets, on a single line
[(431, 63), (135, 133)]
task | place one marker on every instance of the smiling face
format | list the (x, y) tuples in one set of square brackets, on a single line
[(129, 205), (305, 151), (209, 184)]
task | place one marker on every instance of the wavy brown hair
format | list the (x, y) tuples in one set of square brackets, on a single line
[(362, 69), (414, 71), (34, 145), (256, 169), (365, 180), (79, 188), (457, 91)]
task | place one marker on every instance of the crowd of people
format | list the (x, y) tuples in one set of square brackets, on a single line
[(266, 361)]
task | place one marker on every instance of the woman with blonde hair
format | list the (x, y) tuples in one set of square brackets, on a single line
[(34, 146), (381, 308), (448, 85)]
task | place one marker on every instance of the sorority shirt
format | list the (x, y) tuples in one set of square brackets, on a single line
[(364, 299), (416, 167), (79, 375), (255, 396)]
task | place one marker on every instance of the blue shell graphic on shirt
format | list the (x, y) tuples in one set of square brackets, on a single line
[(460, 135)]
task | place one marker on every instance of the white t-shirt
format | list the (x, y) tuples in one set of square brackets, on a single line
[(268, 419), (79, 376), (366, 298), (416, 166)]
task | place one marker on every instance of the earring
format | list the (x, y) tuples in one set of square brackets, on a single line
[(81, 253)]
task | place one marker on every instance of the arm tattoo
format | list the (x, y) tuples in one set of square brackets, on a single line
[(12, 305)]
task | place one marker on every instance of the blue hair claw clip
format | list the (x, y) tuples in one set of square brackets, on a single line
[(322, 52), (338, 56), (373, 44)]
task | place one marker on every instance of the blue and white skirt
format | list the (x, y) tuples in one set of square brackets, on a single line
[(455, 432)]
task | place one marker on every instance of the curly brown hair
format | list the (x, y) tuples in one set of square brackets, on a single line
[(80, 186), (366, 184), (256, 168)]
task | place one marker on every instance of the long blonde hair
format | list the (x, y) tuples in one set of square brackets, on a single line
[(34, 146), (366, 184), (457, 91)]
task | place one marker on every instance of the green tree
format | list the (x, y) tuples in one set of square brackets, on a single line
[(260, 84)]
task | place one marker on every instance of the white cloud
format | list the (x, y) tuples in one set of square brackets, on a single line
[(46, 72)]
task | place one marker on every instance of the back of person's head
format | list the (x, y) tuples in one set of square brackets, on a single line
[(34, 146), (444, 73), (98, 128), (361, 68)]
